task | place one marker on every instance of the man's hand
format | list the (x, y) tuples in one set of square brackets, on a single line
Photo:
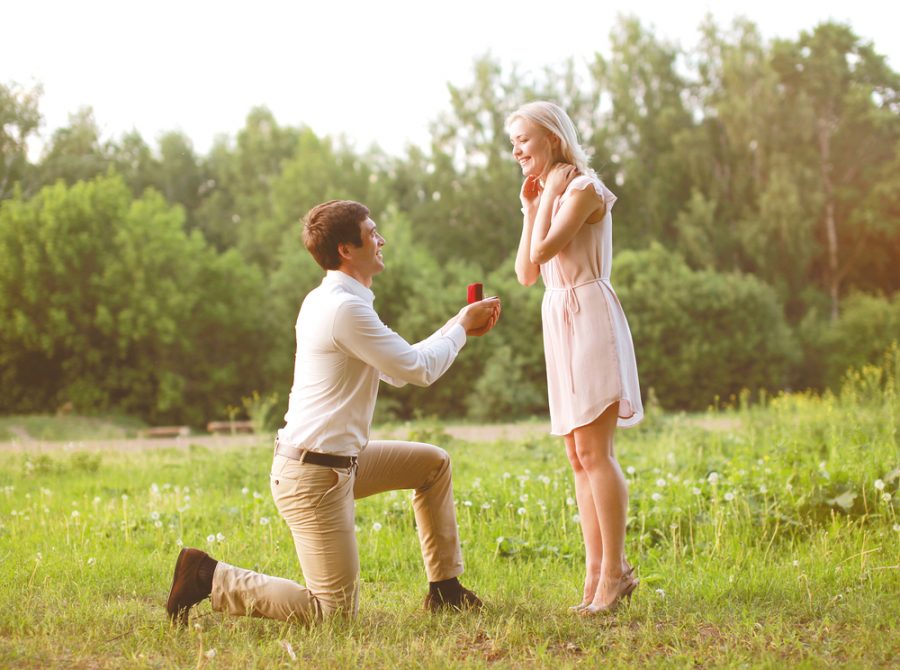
[(479, 317)]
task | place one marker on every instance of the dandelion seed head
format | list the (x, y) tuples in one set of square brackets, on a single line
[(376, 526), (570, 501), (158, 524), (220, 537), (886, 497), (75, 514), (210, 538), (210, 653), (660, 593), (630, 470), (713, 478), (696, 491), (656, 497), (576, 518), (879, 485), (92, 561), (486, 505), (521, 511), (154, 515), (264, 521), (729, 496), (523, 498)]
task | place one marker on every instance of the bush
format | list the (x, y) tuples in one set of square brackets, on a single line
[(700, 335)]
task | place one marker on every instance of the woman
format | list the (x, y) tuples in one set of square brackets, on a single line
[(591, 370)]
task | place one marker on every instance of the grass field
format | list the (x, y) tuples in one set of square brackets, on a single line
[(764, 536)]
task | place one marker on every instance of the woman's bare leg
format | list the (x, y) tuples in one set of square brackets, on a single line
[(594, 451), (590, 526)]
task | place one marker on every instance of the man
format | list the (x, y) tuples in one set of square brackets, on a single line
[(323, 458)]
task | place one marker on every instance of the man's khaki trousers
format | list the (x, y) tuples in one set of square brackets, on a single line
[(317, 503)]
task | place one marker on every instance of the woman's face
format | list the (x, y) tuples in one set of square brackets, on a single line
[(533, 146)]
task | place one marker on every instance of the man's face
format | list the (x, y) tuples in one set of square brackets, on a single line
[(367, 259)]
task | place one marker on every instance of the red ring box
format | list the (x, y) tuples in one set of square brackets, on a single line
[(475, 293)]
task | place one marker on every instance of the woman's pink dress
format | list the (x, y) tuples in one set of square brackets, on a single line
[(587, 342)]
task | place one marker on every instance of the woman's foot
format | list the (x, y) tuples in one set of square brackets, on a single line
[(614, 591), (590, 588)]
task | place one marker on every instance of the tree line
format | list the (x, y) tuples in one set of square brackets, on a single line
[(756, 235)]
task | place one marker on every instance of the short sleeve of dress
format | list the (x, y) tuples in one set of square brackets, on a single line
[(584, 181)]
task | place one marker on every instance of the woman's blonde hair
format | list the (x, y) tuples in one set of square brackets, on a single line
[(553, 118)]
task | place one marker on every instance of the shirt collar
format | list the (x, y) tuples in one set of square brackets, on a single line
[(349, 283)]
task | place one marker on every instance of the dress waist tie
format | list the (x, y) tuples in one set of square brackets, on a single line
[(571, 308)]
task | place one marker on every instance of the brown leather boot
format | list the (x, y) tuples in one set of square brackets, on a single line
[(450, 593), (191, 583)]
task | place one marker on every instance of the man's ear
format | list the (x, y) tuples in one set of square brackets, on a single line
[(343, 250)]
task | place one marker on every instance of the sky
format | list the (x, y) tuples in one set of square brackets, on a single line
[(373, 72)]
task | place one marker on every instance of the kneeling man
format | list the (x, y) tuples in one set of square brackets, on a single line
[(323, 458)]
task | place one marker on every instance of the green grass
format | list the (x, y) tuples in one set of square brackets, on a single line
[(67, 428), (767, 543)]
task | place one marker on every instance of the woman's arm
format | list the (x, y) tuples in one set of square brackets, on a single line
[(580, 206), (527, 271)]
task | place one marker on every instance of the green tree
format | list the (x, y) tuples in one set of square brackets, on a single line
[(19, 120)]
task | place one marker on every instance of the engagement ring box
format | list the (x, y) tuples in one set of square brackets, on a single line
[(476, 293)]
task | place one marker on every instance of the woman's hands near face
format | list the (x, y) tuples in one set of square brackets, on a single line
[(559, 177), (530, 195)]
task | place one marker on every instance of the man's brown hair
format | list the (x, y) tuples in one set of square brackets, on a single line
[(330, 224)]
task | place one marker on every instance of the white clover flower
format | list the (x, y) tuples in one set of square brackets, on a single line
[(660, 482), (879, 485), (729, 496), (576, 518), (696, 491), (886, 497), (661, 593), (210, 538), (220, 537), (630, 470), (376, 526), (656, 497), (264, 521), (713, 478)]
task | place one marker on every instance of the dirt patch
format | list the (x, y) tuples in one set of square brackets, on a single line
[(485, 433)]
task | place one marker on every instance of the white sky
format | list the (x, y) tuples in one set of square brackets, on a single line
[(375, 72)]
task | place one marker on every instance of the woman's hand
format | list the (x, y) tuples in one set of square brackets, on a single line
[(559, 177), (530, 195)]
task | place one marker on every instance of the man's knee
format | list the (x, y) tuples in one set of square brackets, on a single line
[(439, 466)]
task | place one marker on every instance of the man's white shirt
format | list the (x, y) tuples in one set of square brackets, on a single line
[(343, 350)]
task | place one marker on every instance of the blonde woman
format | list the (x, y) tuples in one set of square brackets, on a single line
[(591, 370)]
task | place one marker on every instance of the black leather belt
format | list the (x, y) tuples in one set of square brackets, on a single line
[(314, 457)]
